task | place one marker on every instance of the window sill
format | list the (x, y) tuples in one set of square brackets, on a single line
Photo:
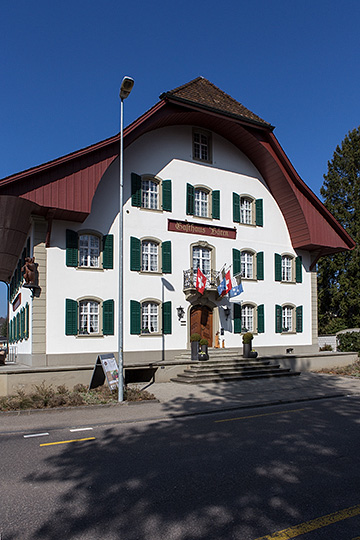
[(201, 218), (92, 268), (81, 336), (199, 160), (246, 224), (156, 210), (149, 273)]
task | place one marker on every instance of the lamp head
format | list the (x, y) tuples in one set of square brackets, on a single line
[(126, 87)]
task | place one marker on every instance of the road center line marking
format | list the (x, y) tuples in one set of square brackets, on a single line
[(313, 524), (66, 442), (81, 429), (35, 435), (258, 415)]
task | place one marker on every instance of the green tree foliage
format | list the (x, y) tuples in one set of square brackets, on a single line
[(339, 274), (3, 327)]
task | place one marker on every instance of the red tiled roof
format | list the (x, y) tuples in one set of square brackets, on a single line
[(64, 188), (202, 92)]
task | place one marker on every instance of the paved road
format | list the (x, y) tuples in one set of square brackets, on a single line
[(242, 474)]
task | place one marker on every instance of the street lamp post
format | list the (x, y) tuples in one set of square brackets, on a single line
[(125, 89)]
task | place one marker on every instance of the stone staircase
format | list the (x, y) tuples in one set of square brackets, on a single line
[(227, 366)]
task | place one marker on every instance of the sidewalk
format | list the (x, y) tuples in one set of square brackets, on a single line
[(179, 400)]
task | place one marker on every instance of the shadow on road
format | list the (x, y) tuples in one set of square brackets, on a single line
[(202, 478)]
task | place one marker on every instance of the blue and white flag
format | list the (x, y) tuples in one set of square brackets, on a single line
[(222, 287), (235, 291)]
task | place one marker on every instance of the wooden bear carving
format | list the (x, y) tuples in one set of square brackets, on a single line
[(30, 272)]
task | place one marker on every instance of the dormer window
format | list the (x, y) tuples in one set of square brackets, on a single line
[(202, 145)]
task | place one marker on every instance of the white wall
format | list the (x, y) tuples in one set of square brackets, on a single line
[(167, 154)]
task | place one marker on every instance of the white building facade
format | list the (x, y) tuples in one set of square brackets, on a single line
[(196, 195)]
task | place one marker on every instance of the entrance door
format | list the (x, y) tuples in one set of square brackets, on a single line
[(201, 322)]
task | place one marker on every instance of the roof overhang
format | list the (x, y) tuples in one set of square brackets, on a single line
[(64, 188)]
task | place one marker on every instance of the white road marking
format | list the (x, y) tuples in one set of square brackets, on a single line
[(35, 435), (81, 429)]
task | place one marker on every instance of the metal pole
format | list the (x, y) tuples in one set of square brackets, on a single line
[(121, 241)]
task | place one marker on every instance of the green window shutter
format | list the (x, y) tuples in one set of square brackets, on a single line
[(190, 198), (108, 251), (216, 204), (135, 254), (17, 330), (19, 274), (108, 317), (135, 190), (71, 248), (23, 255), (236, 207), (259, 212), (299, 319), (135, 317), (277, 267), (237, 318), (260, 265), (166, 257), (236, 261), (298, 269), (166, 195), (22, 323), (27, 321), (71, 317), (166, 317), (278, 319), (260, 319)]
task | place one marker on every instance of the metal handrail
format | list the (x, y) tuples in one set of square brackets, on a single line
[(212, 279)]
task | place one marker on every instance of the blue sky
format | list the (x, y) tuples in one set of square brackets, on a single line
[(295, 64)]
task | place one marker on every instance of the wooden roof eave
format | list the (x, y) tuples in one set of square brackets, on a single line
[(309, 198)]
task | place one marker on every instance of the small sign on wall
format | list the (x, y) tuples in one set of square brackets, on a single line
[(105, 368)]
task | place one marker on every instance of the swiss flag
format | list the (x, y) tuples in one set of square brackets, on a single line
[(200, 281), (228, 285)]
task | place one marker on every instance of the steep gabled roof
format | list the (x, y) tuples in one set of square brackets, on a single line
[(205, 94), (64, 188)]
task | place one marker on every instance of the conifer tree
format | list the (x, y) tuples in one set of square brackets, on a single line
[(339, 274)]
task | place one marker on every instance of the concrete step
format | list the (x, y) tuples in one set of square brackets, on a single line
[(194, 372), (183, 379), (228, 368), (225, 364)]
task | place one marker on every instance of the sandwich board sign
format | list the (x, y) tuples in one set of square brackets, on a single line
[(105, 368)]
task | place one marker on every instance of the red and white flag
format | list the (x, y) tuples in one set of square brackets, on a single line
[(228, 285), (200, 281)]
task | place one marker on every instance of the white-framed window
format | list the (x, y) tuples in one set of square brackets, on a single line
[(89, 317), (149, 317), (246, 210), (149, 256), (201, 258), (150, 194), (201, 145), (201, 207), (287, 263), (247, 264), (247, 318), (89, 250), (288, 318)]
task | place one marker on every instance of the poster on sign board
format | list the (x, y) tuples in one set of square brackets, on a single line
[(105, 368)]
